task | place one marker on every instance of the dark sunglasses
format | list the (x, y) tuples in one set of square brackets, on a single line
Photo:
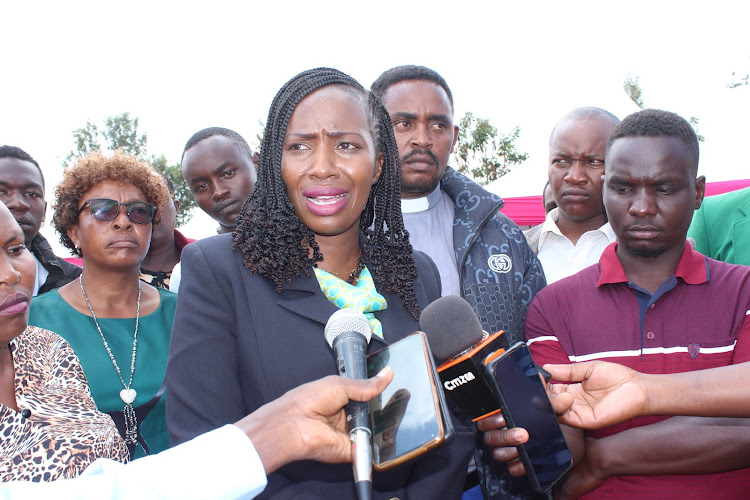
[(104, 209)]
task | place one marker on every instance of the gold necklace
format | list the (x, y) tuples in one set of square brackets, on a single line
[(353, 275)]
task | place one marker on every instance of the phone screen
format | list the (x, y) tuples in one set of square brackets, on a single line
[(525, 404), (406, 417)]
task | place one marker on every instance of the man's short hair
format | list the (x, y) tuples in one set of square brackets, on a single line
[(585, 113), (224, 132), (20, 154), (658, 123), (408, 72), (168, 182)]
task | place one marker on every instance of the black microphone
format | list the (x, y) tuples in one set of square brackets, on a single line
[(455, 335), (348, 332), (26, 413)]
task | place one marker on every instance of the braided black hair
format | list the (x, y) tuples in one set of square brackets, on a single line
[(273, 240)]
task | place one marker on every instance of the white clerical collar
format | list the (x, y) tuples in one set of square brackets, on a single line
[(414, 205)]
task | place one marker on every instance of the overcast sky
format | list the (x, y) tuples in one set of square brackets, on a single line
[(183, 66)]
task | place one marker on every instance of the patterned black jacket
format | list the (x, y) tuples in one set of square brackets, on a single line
[(499, 272), (499, 277)]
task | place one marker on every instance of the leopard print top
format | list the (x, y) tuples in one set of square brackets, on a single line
[(65, 432)]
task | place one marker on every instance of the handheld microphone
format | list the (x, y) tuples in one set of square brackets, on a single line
[(455, 335), (348, 332)]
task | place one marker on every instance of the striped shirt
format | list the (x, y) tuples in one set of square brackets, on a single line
[(697, 319)]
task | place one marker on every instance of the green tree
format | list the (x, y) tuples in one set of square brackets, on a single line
[(482, 152), (181, 189), (121, 132), (86, 141), (258, 141), (634, 91), (738, 81), (694, 123)]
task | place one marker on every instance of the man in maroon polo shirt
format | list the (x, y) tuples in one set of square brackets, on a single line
[(655, 305)]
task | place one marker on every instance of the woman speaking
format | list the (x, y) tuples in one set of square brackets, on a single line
[(322, 230)]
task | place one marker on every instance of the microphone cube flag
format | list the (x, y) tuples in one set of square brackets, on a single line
[(465, 382)]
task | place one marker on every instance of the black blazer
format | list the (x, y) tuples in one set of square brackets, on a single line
[(237, 344)]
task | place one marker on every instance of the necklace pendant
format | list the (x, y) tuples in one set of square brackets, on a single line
[(128, 396), (131, 424)]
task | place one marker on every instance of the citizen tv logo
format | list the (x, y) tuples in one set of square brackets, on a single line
[(458, 381)]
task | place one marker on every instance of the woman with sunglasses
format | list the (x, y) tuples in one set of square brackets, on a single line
[(118, 326)]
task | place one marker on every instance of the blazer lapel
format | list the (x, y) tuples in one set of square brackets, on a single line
[(305, 298)]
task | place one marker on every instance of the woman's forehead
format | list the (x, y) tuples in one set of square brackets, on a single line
[(332, 107)]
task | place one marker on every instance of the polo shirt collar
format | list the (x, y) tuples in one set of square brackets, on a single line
[(691, 267)]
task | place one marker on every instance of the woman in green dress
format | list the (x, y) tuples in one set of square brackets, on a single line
[(117, 325)]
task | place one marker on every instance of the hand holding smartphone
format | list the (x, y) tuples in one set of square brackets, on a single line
[(516, 382)]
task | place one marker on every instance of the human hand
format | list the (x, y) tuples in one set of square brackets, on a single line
[(585, 477), (608, 393), (503, 442), (308, 422)]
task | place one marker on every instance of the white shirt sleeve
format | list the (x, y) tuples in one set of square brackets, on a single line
[(221, 464), (175, 278)]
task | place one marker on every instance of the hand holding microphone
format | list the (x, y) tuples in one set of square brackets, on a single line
[(486, 377), (348, 332)]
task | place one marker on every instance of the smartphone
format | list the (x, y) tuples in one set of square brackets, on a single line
[(516, 382), (410, 417)]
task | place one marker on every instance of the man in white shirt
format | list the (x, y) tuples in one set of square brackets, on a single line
[(306, 423), (574, 235)]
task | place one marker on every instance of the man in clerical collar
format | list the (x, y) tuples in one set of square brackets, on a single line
[(480, 253)]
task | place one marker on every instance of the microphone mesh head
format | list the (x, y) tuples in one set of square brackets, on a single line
[(347, 320), (450, 325)]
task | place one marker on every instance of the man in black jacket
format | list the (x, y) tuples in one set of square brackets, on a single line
[(22, 191)]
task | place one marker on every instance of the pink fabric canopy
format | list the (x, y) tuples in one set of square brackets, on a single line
[(528, 210)]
